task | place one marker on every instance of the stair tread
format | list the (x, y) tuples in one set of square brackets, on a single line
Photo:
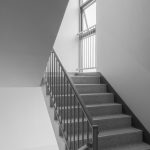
[(136, 146), (93, 94), (118, 131), (113, 132), (98, 84), (84, 77), (103, 105), (104, 117), (111, 117), (96, 105)]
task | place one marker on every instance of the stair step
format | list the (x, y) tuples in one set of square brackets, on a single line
[(105, 123), (104, 109), (118, 137), (90, 88), (94, 110), (88, 99), (97, 98), (113, 138), (136, 146), (85, 80), (113, 121), (84, 74)]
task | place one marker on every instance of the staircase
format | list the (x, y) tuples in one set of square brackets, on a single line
[(87, 114), (116, 131)]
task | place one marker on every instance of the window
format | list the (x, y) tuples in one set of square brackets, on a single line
[(87, 36), (88, 16)]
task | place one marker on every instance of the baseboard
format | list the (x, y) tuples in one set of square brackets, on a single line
[(126, 110)]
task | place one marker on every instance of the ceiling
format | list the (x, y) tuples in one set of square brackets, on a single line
[(28, 29)]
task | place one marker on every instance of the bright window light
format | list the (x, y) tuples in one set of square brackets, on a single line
[(89, 17)]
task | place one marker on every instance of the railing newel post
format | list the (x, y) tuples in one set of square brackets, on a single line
[(95, 137)]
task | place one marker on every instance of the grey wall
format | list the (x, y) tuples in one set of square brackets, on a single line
[(27, 30), (123, 47), (67, 44)]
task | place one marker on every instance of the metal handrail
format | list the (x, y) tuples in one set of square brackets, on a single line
[(76, 93), (78, 124)]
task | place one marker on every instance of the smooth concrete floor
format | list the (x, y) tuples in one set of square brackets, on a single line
[(24, 120)]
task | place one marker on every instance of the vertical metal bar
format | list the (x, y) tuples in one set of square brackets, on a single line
[(70, 116), (56, 85), (59, 88), (54, 79), (94, 49), (50, 68), (64, 101), (67, 108), (52, 75), (78, 123), (82, 128), (74, 105), (62, 98), (87, 131), (95, 137), (89, 51)]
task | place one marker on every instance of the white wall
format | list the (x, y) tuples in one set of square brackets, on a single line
[(28, 29), (66, 43), (123, 45), (24, 120)]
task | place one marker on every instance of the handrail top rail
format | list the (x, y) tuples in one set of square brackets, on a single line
[(89, 118)]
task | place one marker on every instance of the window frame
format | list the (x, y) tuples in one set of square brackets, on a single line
[(84, 6)]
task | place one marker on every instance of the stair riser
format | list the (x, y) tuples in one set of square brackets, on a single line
[(114, 123), (83, 89), (86, 80), (98, 99), (106, 110), (94, 111), (97, 74), (112, 141), (122, 139), (88, 100), (103, 124)]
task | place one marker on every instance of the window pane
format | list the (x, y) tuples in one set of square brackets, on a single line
[(84, 23), (90, 13)]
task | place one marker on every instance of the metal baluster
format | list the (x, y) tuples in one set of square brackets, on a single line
[(95, 137), (78, 123), (62, 98), (64, 101), (82, 128), (52, 75), (87, 131), (67, 109), (74, 105), (56, 81), (50, 71), (89, 52), (70, 116), (59, 89)]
